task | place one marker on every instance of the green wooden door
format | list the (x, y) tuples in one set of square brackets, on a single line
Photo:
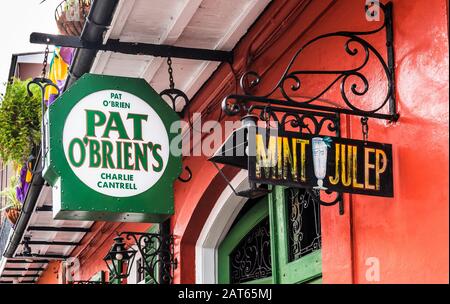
[(275, 241)]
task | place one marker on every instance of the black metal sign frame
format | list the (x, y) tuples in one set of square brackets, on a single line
[(304, 122), (320, 162)]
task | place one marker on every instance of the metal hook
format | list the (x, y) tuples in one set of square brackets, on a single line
[(185, 180), (265, 115), (174, 93), (42, 83), (39, 81)]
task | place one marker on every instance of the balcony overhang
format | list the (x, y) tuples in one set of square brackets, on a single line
[(169, 27)]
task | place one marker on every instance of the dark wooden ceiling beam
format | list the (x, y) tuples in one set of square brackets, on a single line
[(59, 229), (23, 269)]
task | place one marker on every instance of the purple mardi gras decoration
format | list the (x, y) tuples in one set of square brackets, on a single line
[(22, 188), (66, 54)]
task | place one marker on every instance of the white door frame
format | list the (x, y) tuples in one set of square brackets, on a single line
[(216, 228)]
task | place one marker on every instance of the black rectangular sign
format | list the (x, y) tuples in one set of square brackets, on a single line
[(321, 162)]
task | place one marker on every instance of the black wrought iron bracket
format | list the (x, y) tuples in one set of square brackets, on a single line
[(157, 251), (285, 104), (134, 48), (287, 91)]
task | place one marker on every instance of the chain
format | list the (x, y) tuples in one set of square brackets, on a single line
[(170, 70), (266, 116), (44, 64), (365, 128)]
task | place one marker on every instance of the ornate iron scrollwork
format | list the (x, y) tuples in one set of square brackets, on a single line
[(304, 223), (250, 259), (157, 251), (291, 83), (302, 121)]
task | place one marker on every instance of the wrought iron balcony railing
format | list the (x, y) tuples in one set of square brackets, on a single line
[(70, 16)]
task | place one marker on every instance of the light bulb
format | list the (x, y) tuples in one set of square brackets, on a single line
[(119, 256)]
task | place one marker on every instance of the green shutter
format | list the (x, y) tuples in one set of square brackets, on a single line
[(305, 269)]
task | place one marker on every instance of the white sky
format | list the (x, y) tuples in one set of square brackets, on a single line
[(18, 18)]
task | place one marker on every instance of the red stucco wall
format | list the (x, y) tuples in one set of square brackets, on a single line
[(407, 234), (52, 275)]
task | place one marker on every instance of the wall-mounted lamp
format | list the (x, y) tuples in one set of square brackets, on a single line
[(119, 259)]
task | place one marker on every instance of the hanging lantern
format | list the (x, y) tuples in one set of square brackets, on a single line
[(119, 258), (235, 151)]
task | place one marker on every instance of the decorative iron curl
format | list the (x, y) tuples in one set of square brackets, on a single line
[(352, 78), (246, 83), (187, 179), (315, 195)]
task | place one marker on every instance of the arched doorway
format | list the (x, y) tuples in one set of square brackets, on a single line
[(292, 221), (245, 253)]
